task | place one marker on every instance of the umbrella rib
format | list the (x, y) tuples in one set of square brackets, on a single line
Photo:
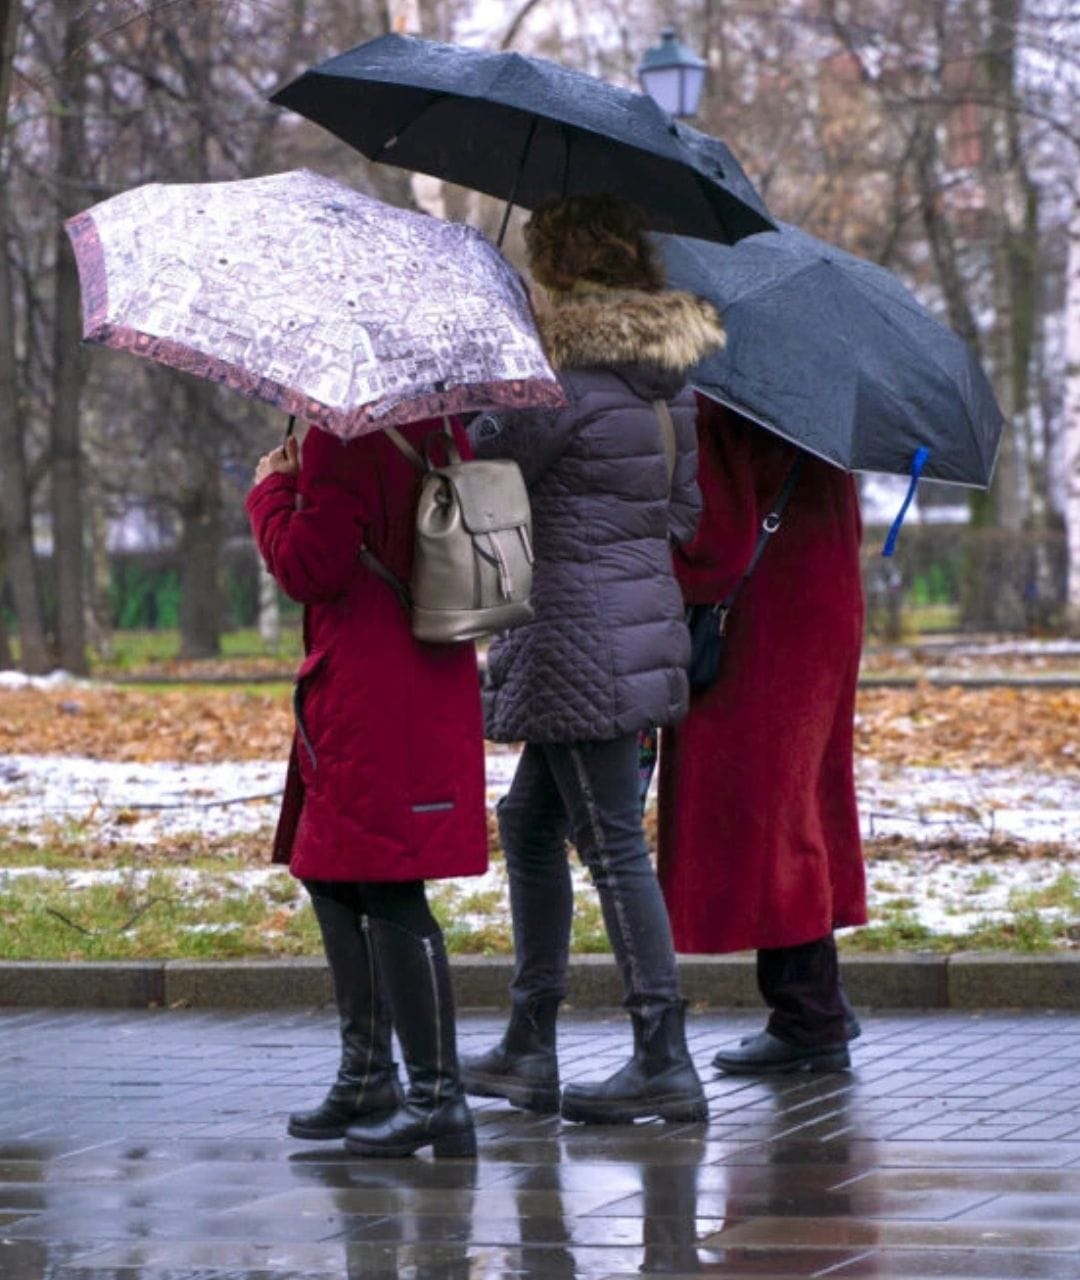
[(517, 180), (394, 138)]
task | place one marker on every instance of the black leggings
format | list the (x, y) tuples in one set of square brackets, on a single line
[(400, 902)]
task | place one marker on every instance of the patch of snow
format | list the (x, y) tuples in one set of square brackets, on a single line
[(139, 802), (142, 802), (58, 679), (1063, 647), (934, 804)]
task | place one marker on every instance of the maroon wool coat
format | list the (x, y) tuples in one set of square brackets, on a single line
[(386, 776), (759, 838)]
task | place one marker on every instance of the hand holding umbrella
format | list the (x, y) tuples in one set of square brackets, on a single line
[(284, 461)]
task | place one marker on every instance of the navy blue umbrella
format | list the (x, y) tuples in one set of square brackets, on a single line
[(525, 130), (835, 354)]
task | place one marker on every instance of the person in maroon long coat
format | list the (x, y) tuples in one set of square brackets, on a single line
[(759, 841), (385, 788)]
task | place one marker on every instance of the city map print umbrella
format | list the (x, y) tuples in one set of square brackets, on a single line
[(298, 291)]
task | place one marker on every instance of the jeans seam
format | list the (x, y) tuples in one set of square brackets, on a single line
[(612, 881)]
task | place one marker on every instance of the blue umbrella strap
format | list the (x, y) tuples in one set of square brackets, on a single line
[(917, 464)]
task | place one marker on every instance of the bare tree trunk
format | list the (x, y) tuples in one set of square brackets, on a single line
[(10, 11), (200, 549), (18, 549), (69, 372), (201, 533), (269, 610), (1072, 417), (14, 487), (99, 603), (7, 658)]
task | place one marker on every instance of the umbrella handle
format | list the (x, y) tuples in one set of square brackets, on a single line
[(288, 434), (917, 464)]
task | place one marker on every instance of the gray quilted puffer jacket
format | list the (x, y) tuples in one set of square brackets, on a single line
[(606, 652)]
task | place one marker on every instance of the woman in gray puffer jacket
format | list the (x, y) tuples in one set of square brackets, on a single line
[(605, 655)]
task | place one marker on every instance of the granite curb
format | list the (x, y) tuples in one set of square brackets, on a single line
[(914, 980)]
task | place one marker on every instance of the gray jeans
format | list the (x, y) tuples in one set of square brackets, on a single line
[(587, 791)]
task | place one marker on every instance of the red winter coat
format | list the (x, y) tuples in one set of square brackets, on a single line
[(759, 834), (386, 777)]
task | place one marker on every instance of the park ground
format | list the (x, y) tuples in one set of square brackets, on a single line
[(136, 808)]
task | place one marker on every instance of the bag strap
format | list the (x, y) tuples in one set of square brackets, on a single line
[(368, 558), (667, 437), (406, 448), (768, 527), (371, 561)]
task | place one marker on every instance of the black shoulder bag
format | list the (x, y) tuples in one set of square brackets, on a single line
[(708, 622)]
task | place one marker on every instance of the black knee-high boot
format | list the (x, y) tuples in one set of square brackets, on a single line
[(416, 978), (367, 1079)]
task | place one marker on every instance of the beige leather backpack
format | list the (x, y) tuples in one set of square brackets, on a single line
[(473, 557)]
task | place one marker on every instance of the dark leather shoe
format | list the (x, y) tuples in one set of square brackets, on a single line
[(852, 1030), (764, 1054)]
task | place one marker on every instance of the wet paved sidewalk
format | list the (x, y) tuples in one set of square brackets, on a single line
[(151, 1146)]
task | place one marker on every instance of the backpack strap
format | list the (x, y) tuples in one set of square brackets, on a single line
[(368, 558), (667, 437), (371, 561), (406, 448)]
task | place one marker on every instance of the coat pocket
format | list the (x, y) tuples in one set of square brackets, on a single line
[(309, 669)]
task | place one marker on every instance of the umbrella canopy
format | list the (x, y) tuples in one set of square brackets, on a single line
[(835, 354), (298, 291), (523, 129)]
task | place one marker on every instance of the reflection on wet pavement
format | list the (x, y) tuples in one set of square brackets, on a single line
[(150, 1145)]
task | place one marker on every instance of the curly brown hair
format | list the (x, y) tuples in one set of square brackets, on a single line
[(598, 238)]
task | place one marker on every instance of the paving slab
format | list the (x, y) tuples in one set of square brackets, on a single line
[(150, 1145)]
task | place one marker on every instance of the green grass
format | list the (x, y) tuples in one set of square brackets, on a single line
[(158, 915), (152, 917), (135, 649), (159, 911), (1024, 932), (1063, 894)]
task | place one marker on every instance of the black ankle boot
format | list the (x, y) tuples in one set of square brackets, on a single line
[(367, 1079), (416, 978), (523, 1067), (659, 1080)]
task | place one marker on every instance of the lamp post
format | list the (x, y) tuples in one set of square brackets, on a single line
[(673, 75)]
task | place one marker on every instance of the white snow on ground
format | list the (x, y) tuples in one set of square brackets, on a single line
[(140, 802), (1060, 648), (57, 679)]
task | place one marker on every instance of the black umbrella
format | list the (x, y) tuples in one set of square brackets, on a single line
[(525, 130), (835, 354)]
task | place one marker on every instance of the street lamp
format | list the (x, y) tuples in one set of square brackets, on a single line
[(673, 75)]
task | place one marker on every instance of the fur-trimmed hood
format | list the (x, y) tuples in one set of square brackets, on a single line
[(592, 325)]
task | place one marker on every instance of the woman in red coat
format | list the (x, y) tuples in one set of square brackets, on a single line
[(759, 834), (385, 787)]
